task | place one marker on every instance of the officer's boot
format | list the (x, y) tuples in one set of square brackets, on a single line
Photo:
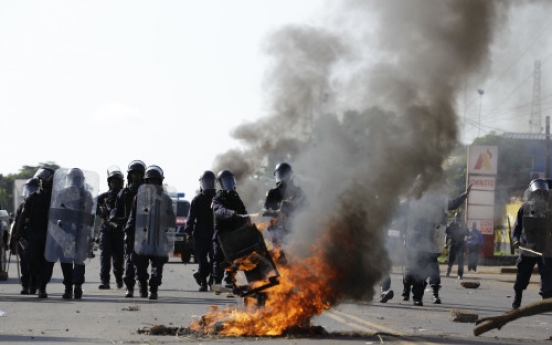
[(197, 278), (436, 299), (119, 282), (153, 292), (104, 286), (129, 291), (517, 300), (25, 290), (68, 294), (406, 292), (203, 285), (143, 289), (386, 295), (78, 291), (42, 291)]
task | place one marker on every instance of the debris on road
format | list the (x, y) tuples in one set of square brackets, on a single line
[(458, 315), (131, 308), (470, 284)]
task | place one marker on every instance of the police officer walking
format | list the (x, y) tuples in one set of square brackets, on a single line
[(230, 214), (35, 209), (530, 234), (112, 244), (119, 217), (71, 225), (282, 202), (29, 283), (151, 216), (200, 225), (456, 232)]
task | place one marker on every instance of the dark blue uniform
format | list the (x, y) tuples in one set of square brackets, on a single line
[(119, 216), (141, 262), (526, 261), (28, 284), (226, 206), (112, 244), (200, 225), (36, 208), (457, 232), (286, 198)]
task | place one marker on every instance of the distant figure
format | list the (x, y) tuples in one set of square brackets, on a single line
[(456, 232), (475, 239)]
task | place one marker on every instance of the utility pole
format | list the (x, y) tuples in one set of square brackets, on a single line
[(547, 149), (535, 122), (481, 92)]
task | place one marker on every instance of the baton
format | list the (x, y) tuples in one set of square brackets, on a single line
[(18, 263), (529, 251)]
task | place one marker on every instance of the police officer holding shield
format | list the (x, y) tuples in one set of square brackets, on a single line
[(119, 217), (151, 217), (230, 214), (200, 225), (111, 239), (532, 235), (71, 226)]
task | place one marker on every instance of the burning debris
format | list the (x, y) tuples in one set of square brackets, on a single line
[(363, 160)]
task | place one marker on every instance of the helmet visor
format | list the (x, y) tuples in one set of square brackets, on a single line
[(282, 175), (228, 183), (207, 183)]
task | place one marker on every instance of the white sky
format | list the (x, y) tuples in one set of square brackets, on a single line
[(91, 84)]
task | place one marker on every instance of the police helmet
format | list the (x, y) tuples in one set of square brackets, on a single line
[(283, 172), (154, 172), (74, 178), (538, 185), (226, 180), (45, 174), (30, 187), (207, 180), (114, 172), (137, 165), (549, 183)]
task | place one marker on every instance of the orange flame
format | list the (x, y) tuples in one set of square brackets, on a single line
[(303, 292)]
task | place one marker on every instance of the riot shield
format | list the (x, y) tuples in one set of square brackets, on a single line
[(71, 216), (154, 218), (537, 234)]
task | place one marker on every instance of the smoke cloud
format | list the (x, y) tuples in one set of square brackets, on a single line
[(358, 118)]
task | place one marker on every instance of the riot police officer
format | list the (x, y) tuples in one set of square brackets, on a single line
[(282, 202), (29, 283), (531, 235), (70, 226), (111, 239), (35, 209), (151, 216), (456, 232), (200, 225), (119, 217), (229, 215)]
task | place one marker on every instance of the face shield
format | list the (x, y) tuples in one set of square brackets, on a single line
[(282, 175), (228, 182), (29, 188), (74, 179), (207, 183)]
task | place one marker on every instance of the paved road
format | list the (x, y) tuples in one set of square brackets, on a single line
[(103, 317)]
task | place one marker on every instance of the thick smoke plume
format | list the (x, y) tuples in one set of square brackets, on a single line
[(359, 133)]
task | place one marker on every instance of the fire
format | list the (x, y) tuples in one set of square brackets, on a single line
[(303, 292)]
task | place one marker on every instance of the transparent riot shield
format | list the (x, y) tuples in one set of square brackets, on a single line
[(154, 218), (71, 217)]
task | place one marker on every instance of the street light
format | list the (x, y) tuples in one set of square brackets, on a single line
[(481, 92)]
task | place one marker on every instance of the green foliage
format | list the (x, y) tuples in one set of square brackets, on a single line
[(6, 183)]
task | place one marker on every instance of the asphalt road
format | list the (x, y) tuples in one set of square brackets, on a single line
[(106, 317)]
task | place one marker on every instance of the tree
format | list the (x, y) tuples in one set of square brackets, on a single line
[(7, 182)]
